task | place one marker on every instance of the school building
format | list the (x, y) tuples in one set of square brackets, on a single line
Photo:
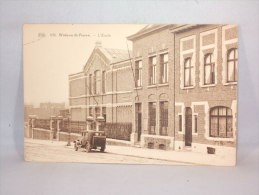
[(180, 92)]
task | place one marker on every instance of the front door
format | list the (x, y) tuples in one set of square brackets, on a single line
[(138, 115), (188, 126)]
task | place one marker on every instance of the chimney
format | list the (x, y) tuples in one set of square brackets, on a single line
[(98, 44)]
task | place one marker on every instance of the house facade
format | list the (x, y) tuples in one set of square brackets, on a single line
[(185, 95), (153, 95), (206, 59)]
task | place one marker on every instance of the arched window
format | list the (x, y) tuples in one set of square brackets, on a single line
[(97, 83), (152, 117), (209, 72), (221, 122), (163, 117), (232, 58), (103, 81), (187, 72), (90, 84)]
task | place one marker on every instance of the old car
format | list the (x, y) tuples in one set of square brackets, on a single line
[(91, 140)]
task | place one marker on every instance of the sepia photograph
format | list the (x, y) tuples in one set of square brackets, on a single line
[(131, 93)]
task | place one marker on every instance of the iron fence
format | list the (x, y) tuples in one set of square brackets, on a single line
[(120, 131), (42, 123), (74, 126)]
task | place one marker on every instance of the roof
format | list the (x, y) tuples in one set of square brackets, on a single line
[(115, 55), (112, 55), (148, 29)]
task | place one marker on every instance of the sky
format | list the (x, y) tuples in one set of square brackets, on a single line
[(53, 51)]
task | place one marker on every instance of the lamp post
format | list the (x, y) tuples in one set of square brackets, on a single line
[(69, 130)]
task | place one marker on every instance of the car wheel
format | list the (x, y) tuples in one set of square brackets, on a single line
[(102, 149)]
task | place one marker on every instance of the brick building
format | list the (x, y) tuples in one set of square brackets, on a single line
[(206, 87), (104, 87), (153, 96), (185, 94), (180, 92)]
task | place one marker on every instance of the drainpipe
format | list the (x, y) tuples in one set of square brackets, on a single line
[(112, 94), (174, 85)]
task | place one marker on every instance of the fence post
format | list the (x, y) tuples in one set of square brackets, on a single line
[(29, 129), (59, 119), (52, 118), (33, 118)]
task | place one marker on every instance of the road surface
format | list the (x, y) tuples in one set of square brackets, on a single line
[(53, 151)]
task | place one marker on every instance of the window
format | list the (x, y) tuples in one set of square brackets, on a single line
[(221, 122), (104, 113), (103, 81), (209, 72), (90, 84), (97, 84), (152, 118), (195, 123), (163, 118), (232, 58), (188, 72), (180, 123), (97, 112), (90, 112), (152, 70), (138, 73), (164, 68)]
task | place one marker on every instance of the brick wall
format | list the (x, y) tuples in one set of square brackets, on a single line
[(154, 44), (218, 94)]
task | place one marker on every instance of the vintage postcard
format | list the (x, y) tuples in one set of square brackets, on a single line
[(131, 93)]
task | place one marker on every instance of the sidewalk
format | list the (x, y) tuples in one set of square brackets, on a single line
[(186, 157)]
